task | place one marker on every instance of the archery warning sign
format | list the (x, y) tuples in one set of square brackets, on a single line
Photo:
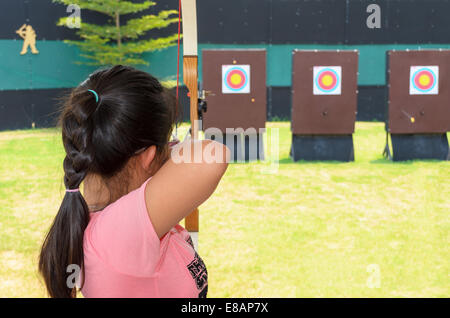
[(235, 79), (327, 80), (424, 80)]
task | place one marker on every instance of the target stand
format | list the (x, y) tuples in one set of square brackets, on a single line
[(418, 104), (237, 104), (243, 147), (324, 97)]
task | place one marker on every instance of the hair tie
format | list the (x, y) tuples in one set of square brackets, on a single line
[(73, 190), (95, 94)]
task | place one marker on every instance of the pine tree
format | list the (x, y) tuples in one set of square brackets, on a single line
[(114, 43)]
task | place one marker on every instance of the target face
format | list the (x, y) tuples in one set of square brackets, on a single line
[(327, 80), (235, 79), (424, 80)]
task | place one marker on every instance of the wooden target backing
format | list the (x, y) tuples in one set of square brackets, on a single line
[(324, 92), (237, 81), (419, 91)]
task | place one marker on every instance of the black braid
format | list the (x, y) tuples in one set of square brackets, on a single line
[(67, 231), (78, 159)]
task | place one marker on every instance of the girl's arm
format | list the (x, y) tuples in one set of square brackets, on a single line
[(178, 188)]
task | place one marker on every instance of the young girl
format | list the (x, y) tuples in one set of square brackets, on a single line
[(123, 231)]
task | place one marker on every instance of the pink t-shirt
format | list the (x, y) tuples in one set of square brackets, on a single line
[(123, 256)]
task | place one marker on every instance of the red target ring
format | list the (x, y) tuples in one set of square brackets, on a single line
[(324, 80), (236, 79), (424, 80)]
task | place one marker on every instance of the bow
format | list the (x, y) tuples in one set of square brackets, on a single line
[(190, 79)]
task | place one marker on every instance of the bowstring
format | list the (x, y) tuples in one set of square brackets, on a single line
[(178, 64)]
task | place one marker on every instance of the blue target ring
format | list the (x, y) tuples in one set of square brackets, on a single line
[(336, 77), (433, 77), (242, 71)]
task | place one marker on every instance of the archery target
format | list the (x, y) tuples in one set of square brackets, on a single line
[(327, 80), (235, 79), (424, 80)]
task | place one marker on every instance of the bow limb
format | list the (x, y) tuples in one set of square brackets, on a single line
[(190, 79)]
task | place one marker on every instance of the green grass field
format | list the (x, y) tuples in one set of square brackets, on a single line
[(369, 228)]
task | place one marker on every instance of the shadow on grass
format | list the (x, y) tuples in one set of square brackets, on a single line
[(289, 160), (381, 161), (406, 162)]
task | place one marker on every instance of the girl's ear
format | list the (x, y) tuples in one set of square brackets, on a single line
[(147, 156)]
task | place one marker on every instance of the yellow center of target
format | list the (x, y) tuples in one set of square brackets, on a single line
[(235, 79), (424, 80), (327, 80)]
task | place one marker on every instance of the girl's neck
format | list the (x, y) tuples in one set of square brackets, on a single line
[(95, 192)]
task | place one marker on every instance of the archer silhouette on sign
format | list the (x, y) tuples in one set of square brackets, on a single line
[(26, 32)]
